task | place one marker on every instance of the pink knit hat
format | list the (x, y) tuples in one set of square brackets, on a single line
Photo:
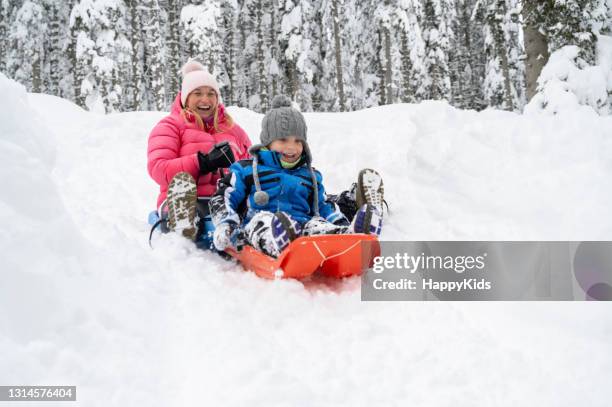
[(194, 76)]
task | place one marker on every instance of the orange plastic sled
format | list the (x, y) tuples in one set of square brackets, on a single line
[(332, 255)]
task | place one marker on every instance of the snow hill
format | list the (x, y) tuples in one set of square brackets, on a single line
[(84, 301)]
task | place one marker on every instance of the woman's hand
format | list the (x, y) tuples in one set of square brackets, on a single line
[(221, 156)]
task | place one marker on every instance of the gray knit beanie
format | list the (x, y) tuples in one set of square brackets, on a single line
[(282, 121)]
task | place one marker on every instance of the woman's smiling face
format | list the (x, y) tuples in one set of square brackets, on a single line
[(289, 147), (203, 100)]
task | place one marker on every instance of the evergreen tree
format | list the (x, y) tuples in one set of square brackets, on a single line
[(134, 97), (245, 84), (153, 53), (436, 35), (27, 53), (335, 6), (498, 87), (364, 47), (228, 56), (54, 45), (411, 51), (201, 33), (174, 57), (102, 53)]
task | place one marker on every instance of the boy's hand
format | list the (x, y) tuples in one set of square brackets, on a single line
[(221, 156), (224, 235)]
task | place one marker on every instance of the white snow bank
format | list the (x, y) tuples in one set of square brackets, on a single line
[(177, 326), (36, 228), (567, 84)]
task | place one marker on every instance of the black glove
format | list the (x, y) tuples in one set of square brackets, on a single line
[(221, 156)]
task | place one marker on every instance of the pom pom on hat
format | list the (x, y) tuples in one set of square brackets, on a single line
[(190, 66), (195, 75), (281, 101)]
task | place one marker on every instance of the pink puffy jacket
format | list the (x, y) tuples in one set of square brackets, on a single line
[(174, 144)]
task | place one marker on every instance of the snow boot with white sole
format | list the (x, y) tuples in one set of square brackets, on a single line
[(370, 190), (182, 205)]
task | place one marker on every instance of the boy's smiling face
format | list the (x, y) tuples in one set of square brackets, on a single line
[(289, 147)]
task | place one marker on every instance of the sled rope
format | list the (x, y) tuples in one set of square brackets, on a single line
[(332, 256)]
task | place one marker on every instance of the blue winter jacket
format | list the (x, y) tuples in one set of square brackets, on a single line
[(290, 191)]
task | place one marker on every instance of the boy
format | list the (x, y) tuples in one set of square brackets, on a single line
[(277, 196)]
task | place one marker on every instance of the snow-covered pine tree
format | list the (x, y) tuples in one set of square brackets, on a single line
[(245, 87), (437, 35), (296, 51), (260, 14), (201, 33), (8, 9), (513, 32), (408, 15), (153, 53), (568, 29), (536, 43), (251, 66), (27, 53), (173, 50), (553, 24), (290, 39), (499, 89), (274, 30), (461, 65), (4, 29), (103, 53), (54, 45), (337, 35), (135, 92), (228, 56), (570, 22), (383, 21), (324, 86), (362, 55)]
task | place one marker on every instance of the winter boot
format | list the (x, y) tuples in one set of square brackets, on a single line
[(346, 202), (284, 230), (370, 190), (271, 233), (182, 205), (319, 226), (367, 220)]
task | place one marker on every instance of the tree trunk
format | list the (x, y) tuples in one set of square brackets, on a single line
[(536, 48), (174, 57), (261, 63), (507, 85), (36, 74), (337, 44), (54, 49), (4, 18), (380, 69), (77, 65), (388, 72), (135, 101)]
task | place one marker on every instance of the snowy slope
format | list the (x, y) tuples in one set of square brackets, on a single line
[(86, 302)]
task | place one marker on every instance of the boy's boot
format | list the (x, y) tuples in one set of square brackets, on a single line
[(367, 220), (284, 230), (370, 189), (182, 205), (369, 195)]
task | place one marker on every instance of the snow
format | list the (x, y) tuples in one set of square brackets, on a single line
[(84, 301)]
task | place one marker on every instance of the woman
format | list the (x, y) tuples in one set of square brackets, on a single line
[(189, 149)]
